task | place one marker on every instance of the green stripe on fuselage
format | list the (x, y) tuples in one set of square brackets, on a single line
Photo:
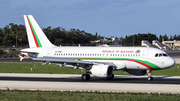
[(145, 62), (40, 57)]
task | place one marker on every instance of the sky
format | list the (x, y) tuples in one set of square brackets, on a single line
[(106, 17)]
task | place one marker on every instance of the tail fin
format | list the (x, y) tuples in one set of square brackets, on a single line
[(36, 36)]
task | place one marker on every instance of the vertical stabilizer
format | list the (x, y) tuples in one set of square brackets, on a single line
[(36, 36)]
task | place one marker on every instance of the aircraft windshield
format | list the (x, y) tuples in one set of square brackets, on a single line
[(165, 54), (160, 54)]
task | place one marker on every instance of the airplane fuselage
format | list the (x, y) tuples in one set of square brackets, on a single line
[(141, 58)]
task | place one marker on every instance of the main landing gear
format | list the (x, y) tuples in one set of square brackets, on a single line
[(111, 77), (86, 76), (150, 78)]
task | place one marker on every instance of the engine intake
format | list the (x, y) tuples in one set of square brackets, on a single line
[(102, 70)]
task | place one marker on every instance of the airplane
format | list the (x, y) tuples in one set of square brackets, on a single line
[(98, 61)]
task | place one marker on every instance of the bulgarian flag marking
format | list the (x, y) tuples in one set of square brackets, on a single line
[(36, 39)]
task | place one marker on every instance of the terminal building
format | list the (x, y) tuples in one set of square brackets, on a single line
[(175, 45), (165, 45)]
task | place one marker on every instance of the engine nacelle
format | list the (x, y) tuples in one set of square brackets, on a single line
[(137, 72), (102, 70)]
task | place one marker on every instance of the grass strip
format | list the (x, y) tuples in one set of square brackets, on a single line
[(21, 67), (28, 95)]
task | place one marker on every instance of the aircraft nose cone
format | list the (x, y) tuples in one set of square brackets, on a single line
[(170, 63)]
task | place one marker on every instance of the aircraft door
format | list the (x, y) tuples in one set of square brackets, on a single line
[(49, 51), (145, 55)]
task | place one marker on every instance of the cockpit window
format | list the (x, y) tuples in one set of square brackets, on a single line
[(165, 54), (160, 54)]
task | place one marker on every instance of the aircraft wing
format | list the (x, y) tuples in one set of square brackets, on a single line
[(62, 60)]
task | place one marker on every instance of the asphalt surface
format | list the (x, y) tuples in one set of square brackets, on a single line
[(60, 82), (117, 79), (173, 53)]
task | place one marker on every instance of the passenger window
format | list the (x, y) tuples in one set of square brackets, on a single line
[(156, 55), (160, 55)]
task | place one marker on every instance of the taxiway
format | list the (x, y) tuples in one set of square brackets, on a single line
[(66, 82)]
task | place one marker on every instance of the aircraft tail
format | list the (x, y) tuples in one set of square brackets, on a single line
[(36, 36)]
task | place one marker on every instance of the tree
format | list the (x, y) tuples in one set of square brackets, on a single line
[(1, 36), (137, 38), (171, 39), (165, 38), (160, 38), (14, 34)]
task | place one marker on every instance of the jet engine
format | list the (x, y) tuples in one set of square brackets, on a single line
[(137, 72), (102, 70)]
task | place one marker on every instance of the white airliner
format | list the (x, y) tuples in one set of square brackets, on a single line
[(98, 61)]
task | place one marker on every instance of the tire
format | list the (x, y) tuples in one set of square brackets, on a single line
[(150, 78), (88, 77), (111, 77), (85, 77)]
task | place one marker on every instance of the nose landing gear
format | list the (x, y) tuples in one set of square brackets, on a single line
[(150, 78)]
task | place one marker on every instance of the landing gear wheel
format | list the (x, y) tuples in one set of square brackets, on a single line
[(85, 77), (88, 77), (111, 77), (150, 78)]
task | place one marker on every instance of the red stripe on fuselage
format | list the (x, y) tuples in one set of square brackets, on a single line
[(37, 45), (125, 60)]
